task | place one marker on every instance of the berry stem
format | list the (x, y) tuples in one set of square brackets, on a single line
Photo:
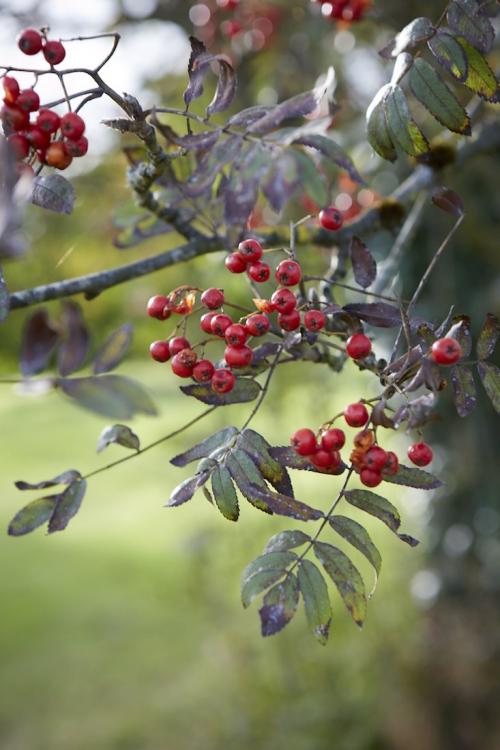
[(265, 389)]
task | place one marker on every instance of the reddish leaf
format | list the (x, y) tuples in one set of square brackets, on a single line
[(448, 200), (363, 263), (38, 343)]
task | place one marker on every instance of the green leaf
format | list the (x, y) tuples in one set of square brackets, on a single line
[(119, 434), (410, 476), (403, 129), (346, 577), (464, 390), (186, 489), (437, 98), (65, 478), (332, 151), (310, 178), (285, 540), (280, 605), (262, 572), (415, 32), (67, 505), (283, 505), (244, 390), (225, 494), (275, 473), (465, 18), (113, 350), (32, 515), (219, 439), (316, 600), (381, 508), (357, 535), (247, 478), (480, 77), (490, 378), (449, 54), (379, 135), (112, 396), (488, 337)]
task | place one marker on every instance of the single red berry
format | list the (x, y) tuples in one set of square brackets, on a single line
[(364, 439), (284, 300), (28, 100), (20, 145), (375, 458), (446, 351), (356, 415), (156, 305), (240, 356), (56, 156), (160, 351), (11, 89), (206, 322), (230, 28), (251, 250), (220, 323), (203, 371), (257, 324), (333, 440), (187, 357), (391, 465), (236, 335), (29, 41), (212, 298), (14, 118), (304, 442), (358, 346), (235, 263), (420, 454), (39, 139), (48, 121), (314, 320), (180, 368), (289, 321), (76, 148), (72, 126), (259, 272), (288, 273), (324, 459), (370, 477), (177, 344), (223, 381), (228, 4), (54, 52), (330, 218)]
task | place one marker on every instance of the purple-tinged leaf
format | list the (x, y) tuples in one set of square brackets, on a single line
[(54, 193), (258, 448), (114, 349), (269, 349), (316, 600), (357, 535), (464, 390), (412, 477), (4, 298), (110, 395), (224, 493), (244, 390), (279, 606), (248, 116), (381, 508), (263, 572), (379, 135), (379, 416), (428, 374), (285, 540), (119, 434), (38, 343), (190, 142), (417, 31), (363, 263), (460, 331), (220, 439), (196, 72), (288, 457), (281, 182), (465, 18), (32, 515), (417, 412), (490, 378), (378, 314), (310, 177), (407, 360), (75, 344), (283, 505), (346, 578), (67, 477), (67, 505), (488, 337), (186, 489), (240, 196), (226, 87), (448, 200), (247, 477), (332, 151)]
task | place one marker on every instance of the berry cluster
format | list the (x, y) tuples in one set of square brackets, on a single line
[(34, 133), (344, 10)]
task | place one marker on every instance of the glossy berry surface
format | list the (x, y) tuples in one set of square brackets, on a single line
[(220, 323), (288, 273), (54, 52), (304, 442), (240, 356), (56, 156), (314, 320), (14, 118), (259, 272), (203, 371), (39, 139), (333, 440), (160, 351), (391, 465), (20, 145), (235, 263), (370, 477), (358, 346), (375, 458), (177, 344), (48, 121), (206, 322), (212, 298), (180, 367), (420, 454), (323, 459), (223, 381), (356, 415), (330, 218), (289, 321), (156, 306), (284, 300), (28, 100), (76, 148), (446, 351), (236, 335), (251, 250), (29, 41), (257, 324), (72, 126)]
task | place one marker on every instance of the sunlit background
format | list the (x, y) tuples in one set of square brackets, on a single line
[(126, 631)]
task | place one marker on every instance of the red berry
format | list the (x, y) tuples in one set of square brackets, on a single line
[(29, 41), (54, 53), (11, 88), (76, 148), (289, 321), (370, 477), (48, 121), (304, 442), (240, 356), (177, 344), (288, 273), (356, 415), (180, 368), (187, 356), (72, 126), (14, 118), (446, 351), (235, 263), (264, 305), (333, 440), (251, 250), (206, 322), (284, 300), (375, 458), (364, 439), (212, 298), (330, 218), (228, 4), (257, 324), (259, 272), (203, 371), (160, 351), (314, 320), (230, 28), (420, 454), (20, 145), (156, 307), (358, 346), (39, 139), (223, 381), (28, 100), (391, 465), (56, 156), (220, 323), (325, 459), (236, 335)]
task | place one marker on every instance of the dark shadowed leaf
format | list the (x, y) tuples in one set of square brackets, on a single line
[(32, 515), (490, 378), (240, 196), (244, 390), (488, 337), (448, 200), (247, 477), (219, 439), (363, 263), (480, 77), (417, 412), (346, 577), (110, 395), (196, 72), (460, 331), (248, 116), (224, 493), (75, 344), (191, 142), (284, 540), (38, 343), (332, 151), (119, 434), (357, 535), (410, 476), (310, 177), (279, 606), (53, 192), (316, 600), (285, 506), (226, 87), (113, 350), (464, 390), (262, 572), (431, 91), (465, 17), (379, 314), (4, 298), (288, 457), (381, 508), (449, 54), (186, 489), (415, 32), (275, 473), (403, 129), (281, 182), (379, 135), (65, 478), (67, 505)]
